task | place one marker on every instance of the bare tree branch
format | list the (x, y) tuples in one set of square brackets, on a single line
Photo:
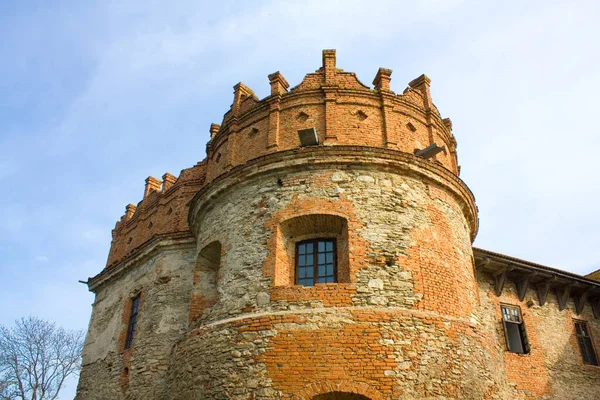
[(36, 357)]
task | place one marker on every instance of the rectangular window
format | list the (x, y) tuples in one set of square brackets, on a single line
[(584, 339), (135, 305), (315, 262), (514, 330)]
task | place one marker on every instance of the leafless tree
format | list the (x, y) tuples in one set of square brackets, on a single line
[(36, 357)]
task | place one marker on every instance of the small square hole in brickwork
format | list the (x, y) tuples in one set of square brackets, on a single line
[(129, 240), (169, 211), (302, 117), (150, 225), (411, 126), (218, 158), (361, 115), (253, 131)]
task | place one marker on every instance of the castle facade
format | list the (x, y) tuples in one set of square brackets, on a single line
[(323, 250)]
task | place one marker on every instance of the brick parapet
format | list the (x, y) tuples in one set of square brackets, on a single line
[(162, 212), (408, 104), (331, 96)]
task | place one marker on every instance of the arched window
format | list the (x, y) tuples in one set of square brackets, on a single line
[(340, 396), (205, 293), (312, 249)]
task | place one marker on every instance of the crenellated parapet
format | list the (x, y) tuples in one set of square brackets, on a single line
[(161, 212), (341, 109)]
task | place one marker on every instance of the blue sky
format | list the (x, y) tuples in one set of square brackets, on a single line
[(97, 95)]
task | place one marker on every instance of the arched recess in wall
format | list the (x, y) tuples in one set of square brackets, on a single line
[(305, 227), (205, 292), (340, 396)]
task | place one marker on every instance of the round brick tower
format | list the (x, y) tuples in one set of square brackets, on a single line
[(334, 256), (329, 257)]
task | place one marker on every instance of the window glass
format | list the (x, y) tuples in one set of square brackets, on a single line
[(135, 305), (514, 330), (319, 269), (586, 345)]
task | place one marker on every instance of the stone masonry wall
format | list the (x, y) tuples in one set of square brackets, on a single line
[(384, 328), (163, 278), (554, 367)]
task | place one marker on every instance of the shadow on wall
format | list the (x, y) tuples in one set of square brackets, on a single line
[(206, 276), (570, 378)]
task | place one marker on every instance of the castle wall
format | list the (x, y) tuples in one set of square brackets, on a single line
[(554, 367), (163, 279), (161, 213), (382, 326)]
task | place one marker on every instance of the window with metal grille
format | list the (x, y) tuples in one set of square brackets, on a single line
[(586, 346), (135, 305), (316, 262), (514, 330)]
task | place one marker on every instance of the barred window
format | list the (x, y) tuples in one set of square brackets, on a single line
[(586, 346), (315, 262), (135, 305), (514, 330)]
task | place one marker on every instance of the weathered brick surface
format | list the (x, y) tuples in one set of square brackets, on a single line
[(554, 368), (284, 355), (161, 213)]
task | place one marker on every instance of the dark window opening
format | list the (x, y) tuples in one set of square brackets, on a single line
[(135, 305), (514, 330), (316, 262), (585, 343)]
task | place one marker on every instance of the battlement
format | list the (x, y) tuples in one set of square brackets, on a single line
[(341, 109), (162, 211)]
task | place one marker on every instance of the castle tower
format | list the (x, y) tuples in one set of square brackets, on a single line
[(322, 250)]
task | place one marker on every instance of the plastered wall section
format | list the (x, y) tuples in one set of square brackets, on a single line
[(554, 368), (163, 280)]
